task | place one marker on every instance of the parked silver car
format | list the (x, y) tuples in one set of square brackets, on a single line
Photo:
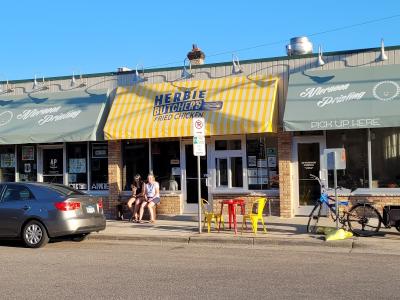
[(36, 212)]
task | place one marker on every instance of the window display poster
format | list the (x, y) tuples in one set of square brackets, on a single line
[(252, 161), (253, 180), (77, 165), (252, 172), (99, 151), (263, 180), (176, 171), (7, 160), (27, 168), (272, 161), (261, 163), (28, 153), (72, 178), (263, 172)]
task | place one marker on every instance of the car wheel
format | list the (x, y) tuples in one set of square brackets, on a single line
[(79, 237), (34, 234)]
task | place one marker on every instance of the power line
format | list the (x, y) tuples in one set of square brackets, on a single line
[(284, 41)]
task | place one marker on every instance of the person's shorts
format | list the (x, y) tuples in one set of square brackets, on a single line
[(156, 200)]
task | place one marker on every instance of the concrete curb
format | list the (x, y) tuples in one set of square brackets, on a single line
[(227, 241)]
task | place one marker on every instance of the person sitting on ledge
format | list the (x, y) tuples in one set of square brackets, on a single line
[(137, 197), (151, 197)]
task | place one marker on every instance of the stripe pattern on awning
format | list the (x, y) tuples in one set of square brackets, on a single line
[(231, 105)]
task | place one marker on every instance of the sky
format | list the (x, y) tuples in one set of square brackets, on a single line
[(56, 38)]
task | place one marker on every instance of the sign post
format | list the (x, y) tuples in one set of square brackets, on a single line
[(335, 160), (199, 149)]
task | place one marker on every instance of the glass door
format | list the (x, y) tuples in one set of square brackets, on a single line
[(309, 154), (53, 165), (190, 189)]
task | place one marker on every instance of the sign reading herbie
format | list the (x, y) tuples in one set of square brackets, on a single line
[(230, 105)]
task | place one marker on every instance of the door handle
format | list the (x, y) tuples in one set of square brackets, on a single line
[(26, 207)]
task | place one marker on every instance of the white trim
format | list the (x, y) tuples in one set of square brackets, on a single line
[(16, 170)]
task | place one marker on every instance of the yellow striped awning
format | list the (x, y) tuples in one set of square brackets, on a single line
[(231, 105)]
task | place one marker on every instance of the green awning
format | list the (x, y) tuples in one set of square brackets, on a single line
[(362, 97), (53, 117)]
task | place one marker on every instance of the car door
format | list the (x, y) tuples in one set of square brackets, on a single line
[(16, 202)]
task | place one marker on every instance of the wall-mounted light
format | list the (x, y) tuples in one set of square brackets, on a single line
[(236, 68), (185, 73), (74, 82), (136, 76), (5, 88), (39, 86), (382, 55), (320, 61)]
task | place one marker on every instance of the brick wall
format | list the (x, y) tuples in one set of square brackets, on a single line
[(377, 201), (114, 178), (285, 174), (171, 204), (249, 199)]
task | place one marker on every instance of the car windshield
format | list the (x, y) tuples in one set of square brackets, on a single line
[(65, 190)]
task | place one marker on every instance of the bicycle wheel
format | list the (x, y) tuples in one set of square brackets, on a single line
[(314, 218), (364, 220)]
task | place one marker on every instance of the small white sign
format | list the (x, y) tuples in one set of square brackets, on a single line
[(199, 145), (198, 126)]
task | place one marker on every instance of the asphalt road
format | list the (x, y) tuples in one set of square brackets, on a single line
[(121, 270)]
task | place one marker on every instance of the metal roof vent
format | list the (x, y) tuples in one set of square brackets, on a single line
[(299, 46)]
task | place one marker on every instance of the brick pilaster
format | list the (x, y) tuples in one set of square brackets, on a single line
[(114, 176), (285, 174)]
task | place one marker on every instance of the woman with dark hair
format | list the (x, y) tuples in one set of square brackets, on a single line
[(136, 198)]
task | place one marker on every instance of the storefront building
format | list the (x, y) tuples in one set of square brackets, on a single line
[(357, 109), (55, 137), (150, 126), (267, 127)]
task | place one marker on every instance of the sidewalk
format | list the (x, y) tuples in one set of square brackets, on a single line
[(281, 232)]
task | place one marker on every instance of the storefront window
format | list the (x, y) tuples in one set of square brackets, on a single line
[(385, 155), (27, 165), (237, 171), (221, 168), (77, 165), (98, 166), (262, 163), (228, 145), (135, 161), (355, 143), (229, 163), (7, 164), (166, 164)]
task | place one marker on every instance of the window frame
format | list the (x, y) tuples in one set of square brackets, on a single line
[(228, 154), (370, 189), (6, 186)]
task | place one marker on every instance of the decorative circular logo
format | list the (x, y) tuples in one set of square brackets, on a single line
[(386, 90), (5, 117)]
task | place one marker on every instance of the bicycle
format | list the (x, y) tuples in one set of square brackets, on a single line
[(362, 219)]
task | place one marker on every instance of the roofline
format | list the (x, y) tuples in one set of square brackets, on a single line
[(226, 63)]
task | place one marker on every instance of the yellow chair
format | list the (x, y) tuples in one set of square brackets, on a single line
[(258, 206), (209, 215)]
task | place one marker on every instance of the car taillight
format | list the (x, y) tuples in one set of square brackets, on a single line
[(67, 205), (100, 203)]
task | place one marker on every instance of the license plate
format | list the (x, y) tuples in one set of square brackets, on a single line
[(90, 209)]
